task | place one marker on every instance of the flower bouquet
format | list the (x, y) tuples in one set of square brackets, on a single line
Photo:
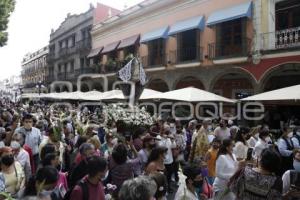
[(129, 118)]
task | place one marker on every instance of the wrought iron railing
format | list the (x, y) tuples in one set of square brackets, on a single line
[(186, 55), (281, 39), (224, 50), (154, 59)]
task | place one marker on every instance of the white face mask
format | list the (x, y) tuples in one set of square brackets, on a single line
[(209, 127), (106, 175), (296, 165), (290, 135)]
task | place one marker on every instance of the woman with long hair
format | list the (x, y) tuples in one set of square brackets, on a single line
[(240, 149), (226, 166), (259, 183), (156, 160)]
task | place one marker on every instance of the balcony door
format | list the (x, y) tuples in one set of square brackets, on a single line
[(230, 38), (187, 45), (156, 52)]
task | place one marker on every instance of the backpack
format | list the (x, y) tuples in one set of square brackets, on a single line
[(84, 188)]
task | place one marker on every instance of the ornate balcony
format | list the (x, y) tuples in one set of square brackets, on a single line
[(282, 39), (223, 50)]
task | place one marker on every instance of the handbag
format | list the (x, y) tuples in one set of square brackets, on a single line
[(207, 189)]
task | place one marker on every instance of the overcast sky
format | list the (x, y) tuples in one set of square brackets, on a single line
[(31, 23)]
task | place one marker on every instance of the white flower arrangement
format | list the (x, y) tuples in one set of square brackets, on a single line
[(133, 116)]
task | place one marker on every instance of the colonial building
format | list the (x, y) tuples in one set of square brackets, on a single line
[(33, 72), (234, 48), (69, 46)]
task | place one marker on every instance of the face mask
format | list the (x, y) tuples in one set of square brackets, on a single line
[(298, 133), (105, 177), (7, 160), (290, 135), (296, 165), (197, 184)]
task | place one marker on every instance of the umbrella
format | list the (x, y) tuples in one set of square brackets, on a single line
[(90, 96), (190, 94), (284, 94), (115, 94)]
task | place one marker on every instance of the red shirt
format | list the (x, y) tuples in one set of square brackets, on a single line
[(96, 192)]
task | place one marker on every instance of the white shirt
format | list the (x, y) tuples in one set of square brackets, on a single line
[(166, 142), (33, 138), (283, 148), (24, 160), (296, 142), (240, 150), (221, 133), (225, 169), (184, 193), (286, 181), (259, 147)]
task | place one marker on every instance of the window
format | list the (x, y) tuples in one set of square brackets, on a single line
[(231, 32), (156, 49), (72, 66), (287, 14), (81, 63), (59, 68), (52, 49), (66, 68), (230, 41), (87, 61), (187, 45), (71, 41)]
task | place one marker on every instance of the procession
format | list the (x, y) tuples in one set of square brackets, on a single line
[(150, 100)]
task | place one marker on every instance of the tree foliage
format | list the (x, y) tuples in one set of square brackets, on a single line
[(6, 8)]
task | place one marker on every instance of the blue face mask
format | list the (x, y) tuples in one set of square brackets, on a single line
[(296, 165)]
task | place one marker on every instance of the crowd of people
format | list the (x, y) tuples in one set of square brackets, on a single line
[(49, 152)]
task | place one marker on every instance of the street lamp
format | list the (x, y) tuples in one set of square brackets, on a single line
[(39, 85)]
